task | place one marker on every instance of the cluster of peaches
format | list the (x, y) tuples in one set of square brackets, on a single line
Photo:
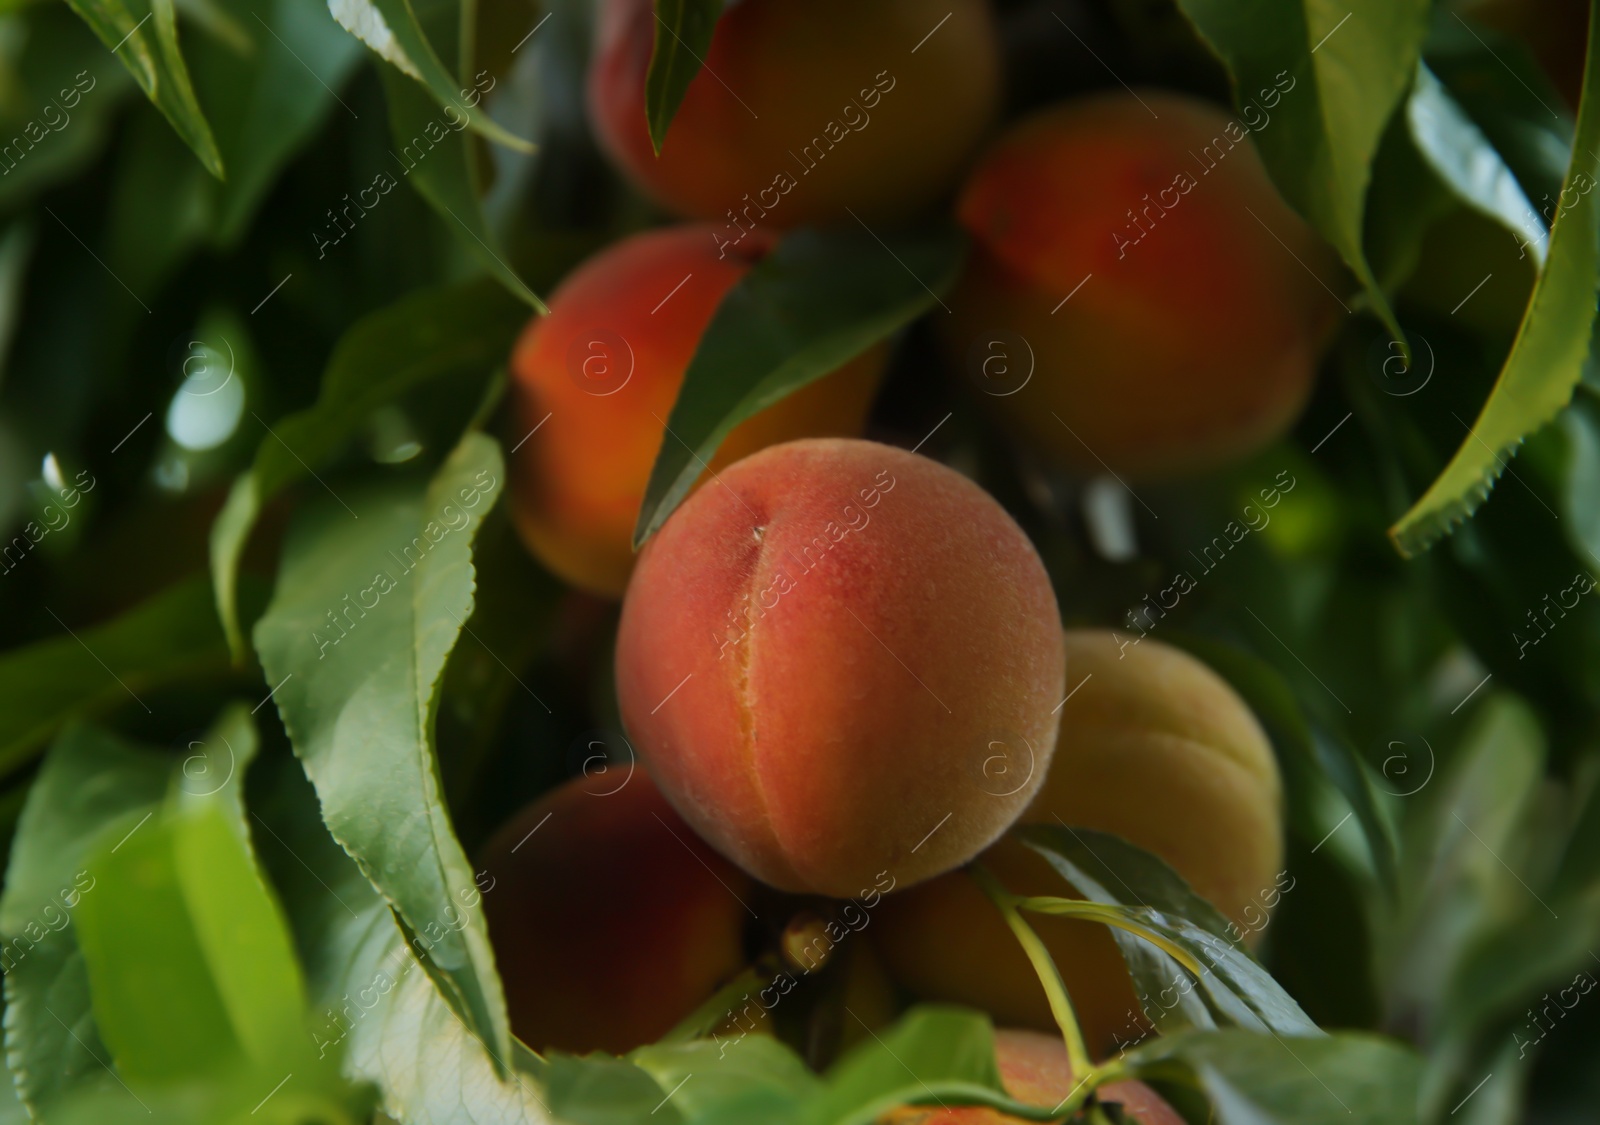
[(842, 664)]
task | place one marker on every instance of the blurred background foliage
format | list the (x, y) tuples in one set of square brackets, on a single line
[(1444, 820)]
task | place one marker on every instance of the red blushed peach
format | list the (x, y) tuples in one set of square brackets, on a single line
[(1131, 253), (1034, 1068), (817, 654), (804, 112), (611, 921), (1154, 747), (597, 379)]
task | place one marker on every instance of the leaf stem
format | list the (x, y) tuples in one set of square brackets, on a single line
[(1049, 976)]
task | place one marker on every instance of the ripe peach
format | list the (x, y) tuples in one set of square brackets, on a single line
[(1140, 274), (816, 653), (597, 378), (609, 918), (1034, 1068), (766, 135), (1154, 747)]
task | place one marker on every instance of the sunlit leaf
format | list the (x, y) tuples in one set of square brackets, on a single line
[(1468, 164)]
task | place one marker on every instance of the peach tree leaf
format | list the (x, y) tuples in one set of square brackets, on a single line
[(371, 598), (442, 174), (170, 637), (817, 301), (93, 791), (1265, 1080), (144, 35), (457, 332), (1464, 160), (262, 102), (1340, 70), (400, 1033), (1552, 345), (395, 33), (683, 36), (1129, 884)]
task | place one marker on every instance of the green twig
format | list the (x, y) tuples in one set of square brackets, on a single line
[(1054, 987)]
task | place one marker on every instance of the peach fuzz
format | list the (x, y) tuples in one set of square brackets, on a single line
[(598, 377), (610, 920), (816, 653), (804, 112), (1150, 267), (1034, 1068), (1154, 747)]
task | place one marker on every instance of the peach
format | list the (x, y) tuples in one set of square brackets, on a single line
[(1034, 1068), (1133, 299), (595, 382), (816, 654), (766, 136), (1154, 747), (610, 920)]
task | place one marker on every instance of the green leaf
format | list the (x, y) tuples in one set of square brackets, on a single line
[(598, 1090), (267, 100), (391, 28), (683, 36), (97, 795), (457, 332), (728, 1075), (933, 1049), (369, 602), (442, 173), (934, 1055), (52, 1044), (196, 989), (1138, 876), (1462, 157), (1351, 63), (379, 1004), (1464, 854), (820, 299), (1547, 358), (1501, 86), (1404, 201), (1234, 988), (1266, 1080), (1519, 959), (145, 37), (69, 83), (190, 963), (170, 638)]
